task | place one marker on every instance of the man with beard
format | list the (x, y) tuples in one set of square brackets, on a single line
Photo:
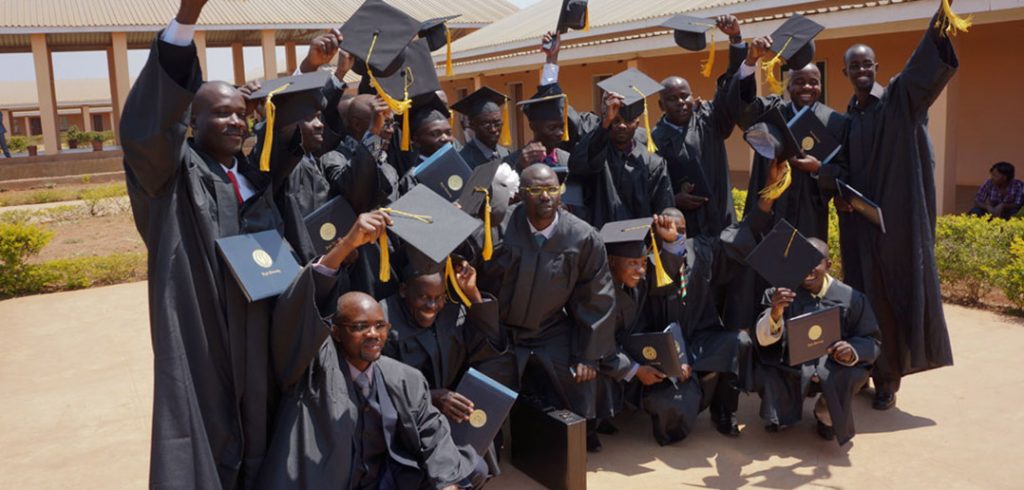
[(891, 163), (555, 298), (484, 110), (839, 375)]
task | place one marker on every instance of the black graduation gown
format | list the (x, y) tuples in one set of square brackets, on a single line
[(474, 156), (890, 161), (312, 444), (212, 396), (555, 301), (699, 154), (783, 388), (618, 186)]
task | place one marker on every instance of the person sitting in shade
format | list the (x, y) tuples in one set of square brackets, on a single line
[(1002, 195), (839, 375)]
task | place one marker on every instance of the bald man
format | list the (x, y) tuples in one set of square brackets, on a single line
[(211, 402), (691, 138), (891, 163)]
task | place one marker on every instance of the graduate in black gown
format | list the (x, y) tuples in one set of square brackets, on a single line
[(555, 297), (839, 375), (691, 138), (211, 394), (484, 108), (891, 163), (620, 178), (351, 417), (545, 112), (673, 404)]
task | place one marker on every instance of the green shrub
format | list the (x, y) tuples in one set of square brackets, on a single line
[(17, 144), (94, 196), (1011, 277), (968, 250), (18, 242), (86, 272), (739, 201)]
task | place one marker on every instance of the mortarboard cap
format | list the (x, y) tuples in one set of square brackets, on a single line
[(484, 100), (771, 137), (426, 108), (417, 73), (793, 41), (634, 87), (784, 257), (627, 238), (435, 31), (295, 98), (328, 222), (387, 29), (573, 15), (690, 31), (444, 172)]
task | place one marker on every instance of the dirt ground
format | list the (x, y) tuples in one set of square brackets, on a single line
[(92, 235), (76, 373)]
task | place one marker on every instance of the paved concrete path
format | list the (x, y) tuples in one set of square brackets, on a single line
[(76, 374)]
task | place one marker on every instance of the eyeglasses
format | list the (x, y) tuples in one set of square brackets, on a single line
[(490, 124), (362, 327), (866, 65), (551, 190)]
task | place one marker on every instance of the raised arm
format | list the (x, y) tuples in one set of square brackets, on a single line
[(925, 75)]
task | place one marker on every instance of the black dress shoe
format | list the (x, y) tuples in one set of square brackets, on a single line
[(772, 427), (605, 426), (825, 431), (593, 443), (884, 400), (725, 424)]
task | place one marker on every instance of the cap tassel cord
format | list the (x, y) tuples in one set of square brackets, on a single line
[(662, 278), (448, 61), (790, 244), (506, 132), (449, 274), (268, 137), (775, 190), (398, 107), (565, 118), (382, 241), (586, 20), (708, 64), (651, 147), (951, 23), (769, 68), (488, 250)]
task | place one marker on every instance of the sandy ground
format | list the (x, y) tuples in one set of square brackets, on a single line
[(76, 373)]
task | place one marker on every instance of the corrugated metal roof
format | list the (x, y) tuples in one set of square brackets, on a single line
[(43, 14)]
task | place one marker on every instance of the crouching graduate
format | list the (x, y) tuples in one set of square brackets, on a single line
[(673, 404), (350, 417), (838, 375)]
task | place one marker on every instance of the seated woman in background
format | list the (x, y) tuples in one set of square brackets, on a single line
[(1002, 195)]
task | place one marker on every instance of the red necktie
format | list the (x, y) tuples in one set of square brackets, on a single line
[(234, 183)]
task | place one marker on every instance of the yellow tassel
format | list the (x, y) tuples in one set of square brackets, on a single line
[(769, 69), (398, 107), (451, 120), (448, 62), (706, 66), (586, 20), (268, 136), (662, 278), (953, 23), (651, 147), (506, 132), (488, 241), (565, 119), (776, 190), (405, 131), (449, 273), (385, 258)]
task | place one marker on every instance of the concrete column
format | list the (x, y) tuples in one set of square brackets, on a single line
[(290, 57), (268, 41), (942, 125), (633, 63), (117, 63), (238, 63), (45, 91), (28, 126), (86, 119), (478, 82), (200, 39), (8, 123)]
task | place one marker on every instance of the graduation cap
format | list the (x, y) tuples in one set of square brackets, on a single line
[(484, 198), (629, 239), (634, 87), (376, 35), (425, 109), (412, 84), (690, 34), (328, 222), (431, 225), (784, 257), (772, 139), (297, 97), (437, 34), (574, 15), (484, 100), (793, 42), (548, 104)]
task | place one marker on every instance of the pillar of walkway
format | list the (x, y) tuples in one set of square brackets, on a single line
[(942, 123), (290, 58), (200, 39), (117, 64), (7, 120), (268, 41), (43, 63), (28, 126), (86, 118), (238, 63)]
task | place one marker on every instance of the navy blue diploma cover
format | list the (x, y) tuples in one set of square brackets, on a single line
[(492, 402), (444, 172), (809, 336), (263, 263), (813, 136), (662, 350), (328, 222)]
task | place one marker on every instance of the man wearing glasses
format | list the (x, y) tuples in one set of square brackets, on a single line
[(556, 297)]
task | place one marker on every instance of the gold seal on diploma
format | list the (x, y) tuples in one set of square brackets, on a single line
[(814, 333), (262, 258), (455, 182), (328, 232), (807, 143), (650, 353), (478, 418), (679, 348)]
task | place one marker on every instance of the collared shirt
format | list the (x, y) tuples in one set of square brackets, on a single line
[(1012, 196), (488, 153), (354, 372), (546, 232), (680, 129), (877, 91), (245, 187)]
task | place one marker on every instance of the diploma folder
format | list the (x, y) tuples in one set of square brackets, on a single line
[(661, 350), (809, 336), (862, 205), (492, 402), (444, 172), (814, 138), (328, 222), (263, 263)]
